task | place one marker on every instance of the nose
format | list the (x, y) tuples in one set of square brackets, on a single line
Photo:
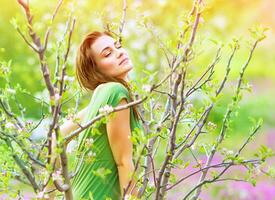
[(119, 53)]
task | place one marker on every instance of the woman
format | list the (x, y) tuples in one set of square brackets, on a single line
[(102, 66)]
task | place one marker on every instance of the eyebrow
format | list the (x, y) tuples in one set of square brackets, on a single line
[(108, 47)]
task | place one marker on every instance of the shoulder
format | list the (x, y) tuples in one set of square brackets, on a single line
[(110, 93), (111, 87)]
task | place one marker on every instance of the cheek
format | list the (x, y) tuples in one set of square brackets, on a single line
[(106, 65)]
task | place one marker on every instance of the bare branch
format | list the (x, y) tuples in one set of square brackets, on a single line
[(22, 146), (11, 115), (122, 22), (26, 40), (169, 156), (205, 182), (223, 164), (225, 120), (228, 69), (68, 138), (210, 68), (200, 123), (60, 186), (166, 93), (22, 166), (247, 140), (69, 41), (46, 40), (132, 178), (163, 47), (56, 9), (40, 48)]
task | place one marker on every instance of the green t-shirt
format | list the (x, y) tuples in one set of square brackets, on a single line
[(97, 175)]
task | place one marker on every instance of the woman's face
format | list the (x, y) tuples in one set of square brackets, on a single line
[(111, 59)]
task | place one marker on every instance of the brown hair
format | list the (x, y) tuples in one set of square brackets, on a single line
[(87, 73)]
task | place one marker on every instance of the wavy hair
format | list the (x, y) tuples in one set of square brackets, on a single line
[(88, 76)]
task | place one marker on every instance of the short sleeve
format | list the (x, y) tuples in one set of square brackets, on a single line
[(118, 92), (110, 93)]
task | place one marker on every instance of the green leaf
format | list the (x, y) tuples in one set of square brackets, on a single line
[(14, 22), (173, 178), (271, 171), (214, 174), (186, 164), (258, 32), (253, 182), (260, 122), (91, 196), (177, 161), (95, 132), (102, 172)]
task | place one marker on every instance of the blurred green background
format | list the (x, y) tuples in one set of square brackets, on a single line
[(221, 21)]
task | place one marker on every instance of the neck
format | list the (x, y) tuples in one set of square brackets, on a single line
[(125, 77)]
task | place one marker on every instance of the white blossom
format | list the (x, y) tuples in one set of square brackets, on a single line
[(189, 107), (212, 125), (106, 109), (224, 149), (29, 123), (146, 88), (58, 78), (68, 78), (57, 175), (258, 170), (56, 98), (9, 125), (151, 184), (230, 152), (128, 196), (11, 91), (42, 195), (91, 154), (89, 142)]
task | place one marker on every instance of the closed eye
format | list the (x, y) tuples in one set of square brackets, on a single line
[(107, 54), (108, 50)]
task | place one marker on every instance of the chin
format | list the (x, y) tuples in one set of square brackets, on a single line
[(127, 68), (124, 74)]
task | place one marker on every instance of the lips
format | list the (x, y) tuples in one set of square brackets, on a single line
[(125, 59)]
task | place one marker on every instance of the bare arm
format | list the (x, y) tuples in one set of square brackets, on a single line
[(70, 126), (119, 132), (66, 128)]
